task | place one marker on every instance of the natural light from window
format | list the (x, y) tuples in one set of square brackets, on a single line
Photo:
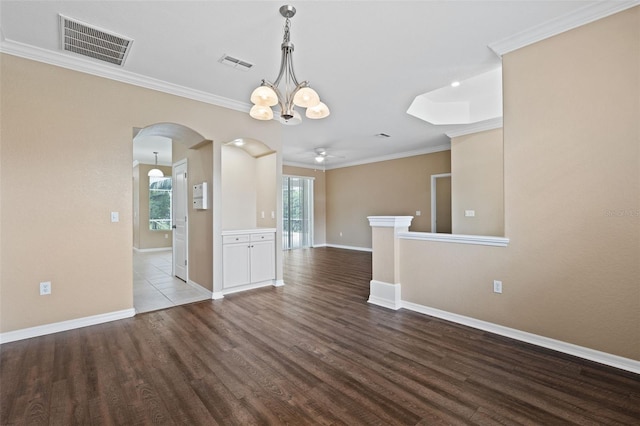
[(160, 203)]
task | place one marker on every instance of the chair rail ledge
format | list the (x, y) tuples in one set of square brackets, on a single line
[(483, 240)]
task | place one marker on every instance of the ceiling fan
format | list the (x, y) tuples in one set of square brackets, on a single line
[(321, 155)]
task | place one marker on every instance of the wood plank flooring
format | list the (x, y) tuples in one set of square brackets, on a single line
[(311, 352)]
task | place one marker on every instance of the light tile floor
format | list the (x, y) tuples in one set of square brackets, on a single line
[(155, 288)]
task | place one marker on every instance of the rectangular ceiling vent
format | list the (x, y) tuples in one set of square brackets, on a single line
[(93, 42), (235, 62)]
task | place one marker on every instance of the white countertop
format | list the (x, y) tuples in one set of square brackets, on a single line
[(248, 231)]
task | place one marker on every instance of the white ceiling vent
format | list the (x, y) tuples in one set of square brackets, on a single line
[(93, 42), (235, 62)]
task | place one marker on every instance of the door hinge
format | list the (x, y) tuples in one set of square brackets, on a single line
[(185, 218), (185, 175), (185, 262)]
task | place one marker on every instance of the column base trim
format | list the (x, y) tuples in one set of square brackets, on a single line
[(385, 294)]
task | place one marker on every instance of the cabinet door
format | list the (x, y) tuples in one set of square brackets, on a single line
[(263, 261), (235, 264)]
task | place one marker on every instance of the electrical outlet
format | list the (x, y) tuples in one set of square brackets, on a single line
[(45, 288), (418, 212), (341, 234), (497, 286)]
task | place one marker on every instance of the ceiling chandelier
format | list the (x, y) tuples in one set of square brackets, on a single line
[(294, 94)]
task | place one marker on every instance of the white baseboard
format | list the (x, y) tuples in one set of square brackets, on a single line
[(199, 287), (385, 295), (349, 247), (247, 287), (217, 295), (151, 250), (56, 327), (523, 336)]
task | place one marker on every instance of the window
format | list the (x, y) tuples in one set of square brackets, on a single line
[(160, 203)]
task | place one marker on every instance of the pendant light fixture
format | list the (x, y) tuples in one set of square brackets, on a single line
[(155, 172), (292, 94)]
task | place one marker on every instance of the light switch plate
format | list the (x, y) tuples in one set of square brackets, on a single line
[(115, 217)]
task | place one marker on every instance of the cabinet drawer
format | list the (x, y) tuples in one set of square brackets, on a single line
[(268, 236), (229, 239)]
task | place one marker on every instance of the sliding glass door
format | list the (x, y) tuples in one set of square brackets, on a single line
[(297, 210)]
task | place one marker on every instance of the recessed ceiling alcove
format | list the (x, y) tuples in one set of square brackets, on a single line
[(473, 100)]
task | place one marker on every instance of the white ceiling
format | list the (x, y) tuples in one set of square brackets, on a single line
[(368, 60)]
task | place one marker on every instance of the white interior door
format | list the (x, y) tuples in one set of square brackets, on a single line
[(180, 229)]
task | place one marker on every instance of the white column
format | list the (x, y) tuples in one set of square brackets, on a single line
[(384, 289)]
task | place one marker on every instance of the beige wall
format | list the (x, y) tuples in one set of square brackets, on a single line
[(477, 183), (387, 188), (65, 165), (572, 199), (319, 200), (266, 188), (200, 169), (144, 238), (249, 186), (239, 190)]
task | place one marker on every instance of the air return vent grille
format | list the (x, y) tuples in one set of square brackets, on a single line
[(93, 42), (235, 62)]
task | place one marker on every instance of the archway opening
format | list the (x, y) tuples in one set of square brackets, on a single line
[(161, 231)]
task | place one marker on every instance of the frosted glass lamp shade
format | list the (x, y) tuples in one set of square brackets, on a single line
[(261, 112), (318, 111), (306, 97), (155, 173), (264, 96)]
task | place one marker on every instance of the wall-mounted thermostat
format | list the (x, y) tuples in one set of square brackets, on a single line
[(200, 196)]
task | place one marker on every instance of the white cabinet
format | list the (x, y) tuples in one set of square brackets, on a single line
[(248, 258)]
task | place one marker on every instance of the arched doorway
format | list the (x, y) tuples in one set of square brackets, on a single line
[(160, 216)]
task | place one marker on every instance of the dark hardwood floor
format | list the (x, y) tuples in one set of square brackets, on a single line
[(311, 352)]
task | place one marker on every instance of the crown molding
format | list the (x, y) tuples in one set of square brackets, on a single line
[(555, 26), (26, 51), (481, 126), (394, 156), (316, 166)]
